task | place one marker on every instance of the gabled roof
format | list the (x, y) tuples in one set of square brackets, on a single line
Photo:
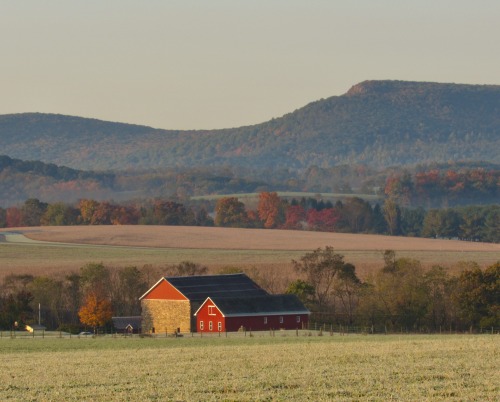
[(123, 322), (258, 305), (198, 288)]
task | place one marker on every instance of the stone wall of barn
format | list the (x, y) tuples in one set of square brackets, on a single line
[(162, 316)]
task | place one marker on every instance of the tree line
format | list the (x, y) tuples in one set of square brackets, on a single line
[(81, 300), (350, 215), (399, 296), (436, 188)]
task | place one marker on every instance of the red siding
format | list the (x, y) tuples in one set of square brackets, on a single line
[(207, 314), (165, 291), (257, 323), (254, 323)]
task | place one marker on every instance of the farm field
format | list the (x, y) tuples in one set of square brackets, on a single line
[(61, 249), (354, 367), (289, 194)]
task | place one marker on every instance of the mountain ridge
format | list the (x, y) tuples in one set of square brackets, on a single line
[(378, 123)]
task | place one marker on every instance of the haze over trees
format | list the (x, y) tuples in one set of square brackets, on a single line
[(376, 123), (422, 144)]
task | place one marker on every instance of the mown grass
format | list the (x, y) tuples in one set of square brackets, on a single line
[(354, 367)]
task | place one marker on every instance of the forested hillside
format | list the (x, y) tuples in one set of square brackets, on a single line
[(434, 185), (376, 123), (20, 180)]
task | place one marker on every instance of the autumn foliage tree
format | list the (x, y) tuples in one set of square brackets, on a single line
[(87, 209), (270, 209), (96, 311), (230, 212), (324, 220)]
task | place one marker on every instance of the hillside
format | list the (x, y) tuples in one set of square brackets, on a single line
[(20, 180), (377, 123)]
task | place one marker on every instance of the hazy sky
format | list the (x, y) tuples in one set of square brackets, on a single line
[(226, 63)]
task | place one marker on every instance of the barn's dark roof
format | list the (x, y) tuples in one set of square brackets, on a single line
[(260, 305), (121, 323), (198, 288)]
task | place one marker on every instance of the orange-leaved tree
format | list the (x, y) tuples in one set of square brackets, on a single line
[(270, 209), (96, 311)]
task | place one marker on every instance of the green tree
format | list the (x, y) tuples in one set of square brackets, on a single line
[(32, 212), (320, 268), (491, 229), (471, 223), (3, 218), (412, 220), (392, 214), (72, 295), (358, 215), (95, 278), (173, 213), (130, 284), (230, 212), (187, 268), (401, 292), (379, 225), (441, 223), (304, 291), (59, 214), (440, 308), (347, 289), (478, 296), (48, 293), (15, 309)]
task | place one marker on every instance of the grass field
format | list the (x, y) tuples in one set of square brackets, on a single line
[(217, 247), (291, 194), (327, 368)]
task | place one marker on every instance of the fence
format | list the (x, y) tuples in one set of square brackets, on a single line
[(314, 329)]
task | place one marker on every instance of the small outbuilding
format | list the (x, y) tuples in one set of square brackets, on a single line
[(127, 325), (258, 313)]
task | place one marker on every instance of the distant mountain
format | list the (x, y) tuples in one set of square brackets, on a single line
[(377, 123), (20, 180)]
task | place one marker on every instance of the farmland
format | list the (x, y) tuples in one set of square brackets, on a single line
[(353, 367), (61, 249)]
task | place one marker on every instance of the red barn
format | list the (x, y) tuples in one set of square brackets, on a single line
[(258, 313), (170, 304)]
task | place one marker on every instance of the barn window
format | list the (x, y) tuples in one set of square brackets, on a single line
[(219, 326), (201, 325), (211, 310), (281, 319), (210, 326), (265, 320)]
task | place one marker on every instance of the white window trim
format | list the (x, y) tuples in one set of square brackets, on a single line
[(265, 320), (219, 326), (281, 319), (210, 326), (201, 325)]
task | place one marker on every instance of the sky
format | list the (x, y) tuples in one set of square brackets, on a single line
[(209, 64)]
